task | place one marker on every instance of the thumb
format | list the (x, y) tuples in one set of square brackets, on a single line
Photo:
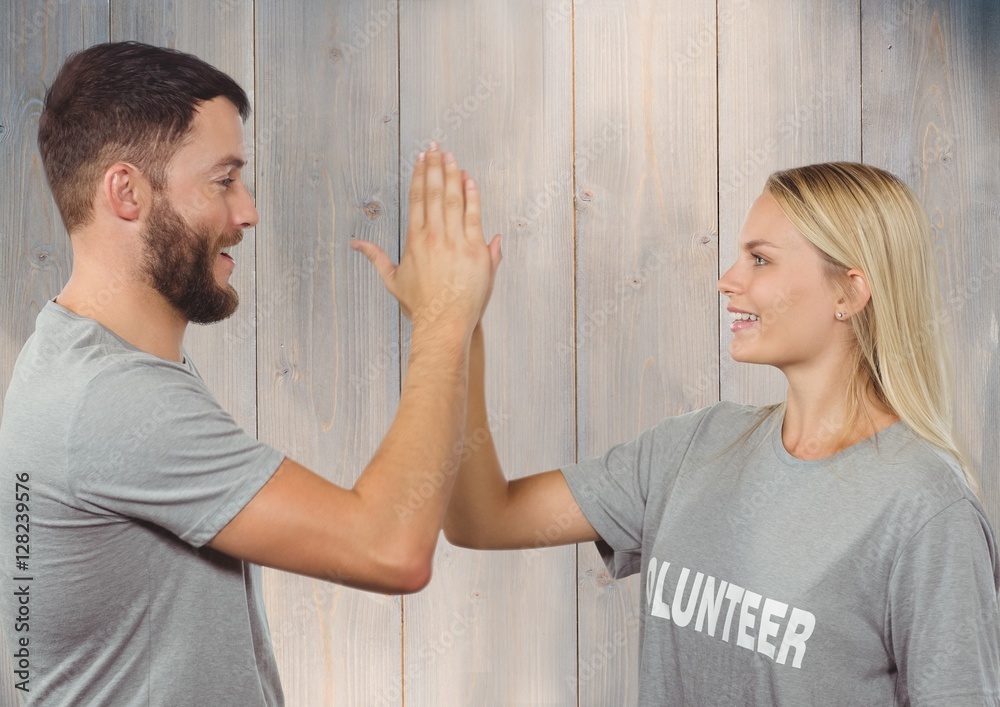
[(383, 264), (496, 254)]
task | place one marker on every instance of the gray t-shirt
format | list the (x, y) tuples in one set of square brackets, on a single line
[(868, 578), (130, 466)]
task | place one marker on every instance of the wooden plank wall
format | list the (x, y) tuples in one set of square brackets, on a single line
[(500, 628), (618, 145), (646, 237), (328, 370)]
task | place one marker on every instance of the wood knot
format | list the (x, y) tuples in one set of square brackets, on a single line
[(373, 210)]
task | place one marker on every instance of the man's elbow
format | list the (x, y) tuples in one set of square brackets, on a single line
[(412, 561), (401, 569), (412, 576)]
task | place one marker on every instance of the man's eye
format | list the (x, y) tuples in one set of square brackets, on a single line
[(226, 182)]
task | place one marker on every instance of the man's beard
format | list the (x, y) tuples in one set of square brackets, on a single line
[(180, 264)]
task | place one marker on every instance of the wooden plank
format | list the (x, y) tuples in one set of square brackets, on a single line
[(932, 116), (35, 253), (789, 95), (328, 382), (221, 34), (646, 338), (493, 83)]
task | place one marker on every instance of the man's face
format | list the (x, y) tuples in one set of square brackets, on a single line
[(201, 212), (180, 263)]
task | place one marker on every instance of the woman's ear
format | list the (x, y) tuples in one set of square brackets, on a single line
[(124, 190), (860, 293)]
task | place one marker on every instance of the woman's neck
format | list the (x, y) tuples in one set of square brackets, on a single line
[(820, 419)]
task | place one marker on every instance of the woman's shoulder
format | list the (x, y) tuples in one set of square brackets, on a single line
[(726, 411), (914, 473), (904, 452), (720, 423), (735, 418)]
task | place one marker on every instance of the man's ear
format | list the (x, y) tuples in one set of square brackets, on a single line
[(126, 190)]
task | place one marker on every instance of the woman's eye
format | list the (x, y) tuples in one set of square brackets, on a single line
[(757, 260), (226, 182)]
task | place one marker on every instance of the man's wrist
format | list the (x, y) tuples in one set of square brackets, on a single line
[(450, 334)]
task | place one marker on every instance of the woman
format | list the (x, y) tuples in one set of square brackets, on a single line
[(827, 550)]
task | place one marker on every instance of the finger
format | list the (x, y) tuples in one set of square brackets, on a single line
[(416, 216), (454, 198), (382, 262), (473, 211), (434, 191)]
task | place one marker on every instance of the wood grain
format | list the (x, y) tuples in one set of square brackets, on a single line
[(493, 83), (646, 336), (328, 376)]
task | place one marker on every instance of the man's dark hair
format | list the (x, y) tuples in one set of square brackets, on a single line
[(122, 101)]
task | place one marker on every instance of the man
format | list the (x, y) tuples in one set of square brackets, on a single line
[(144, 502)]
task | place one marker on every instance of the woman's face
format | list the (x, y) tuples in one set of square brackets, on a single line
[(781, 299)]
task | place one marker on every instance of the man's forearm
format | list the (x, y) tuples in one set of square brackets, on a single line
[(410, 478)]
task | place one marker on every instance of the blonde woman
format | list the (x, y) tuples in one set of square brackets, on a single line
[(827, 550)]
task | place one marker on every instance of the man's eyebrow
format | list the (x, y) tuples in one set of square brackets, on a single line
[(757, 243), (230, 161)]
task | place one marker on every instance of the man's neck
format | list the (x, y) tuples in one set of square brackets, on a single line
[(133, 311)]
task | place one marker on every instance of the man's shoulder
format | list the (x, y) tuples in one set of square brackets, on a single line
[(73, 370), (77, 352)]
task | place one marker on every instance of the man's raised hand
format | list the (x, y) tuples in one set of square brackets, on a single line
[(447, 269)]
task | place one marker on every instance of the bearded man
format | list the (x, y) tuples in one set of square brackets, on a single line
[(147, 508)]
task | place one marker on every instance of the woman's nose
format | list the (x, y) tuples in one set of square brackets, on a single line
[(728, 283)]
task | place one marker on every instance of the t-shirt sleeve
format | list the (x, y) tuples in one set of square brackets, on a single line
[(942, 613), (612, 490), (152, 443)]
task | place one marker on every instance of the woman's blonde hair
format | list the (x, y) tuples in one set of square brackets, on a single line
[(862, 217)]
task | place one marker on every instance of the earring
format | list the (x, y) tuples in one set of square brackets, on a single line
[(840, 315)]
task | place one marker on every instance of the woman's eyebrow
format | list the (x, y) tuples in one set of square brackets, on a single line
[(757, 243)]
